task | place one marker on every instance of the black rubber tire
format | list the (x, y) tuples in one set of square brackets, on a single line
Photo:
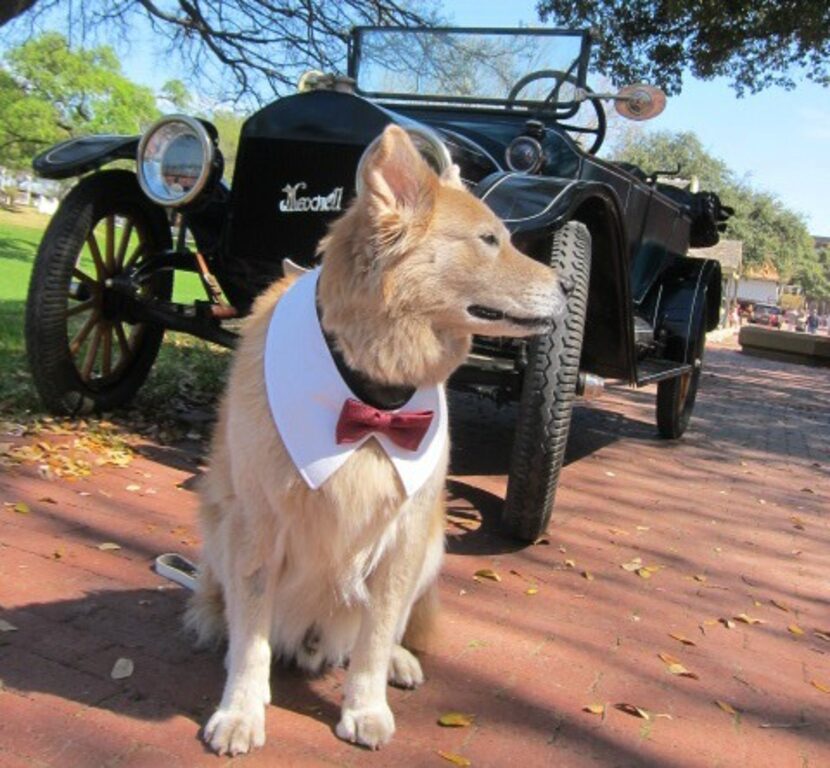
[(548, 393), (55, 375), (676, 397)]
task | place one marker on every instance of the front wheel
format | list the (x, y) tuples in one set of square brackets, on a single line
[(548, 393), (84, 353)]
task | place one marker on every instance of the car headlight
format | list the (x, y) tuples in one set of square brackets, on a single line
[(426, 141), (177, 157)]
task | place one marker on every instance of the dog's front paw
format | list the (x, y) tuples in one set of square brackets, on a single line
[(404, 669), (371, 726), (236, 731)]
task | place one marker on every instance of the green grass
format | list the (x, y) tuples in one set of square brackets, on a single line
[(188, 372)]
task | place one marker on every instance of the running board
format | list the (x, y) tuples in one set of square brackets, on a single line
[(651, 371)]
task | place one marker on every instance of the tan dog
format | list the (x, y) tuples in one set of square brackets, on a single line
[(412, 269)]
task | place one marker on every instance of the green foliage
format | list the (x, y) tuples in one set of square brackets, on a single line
[(769, 230), (49, 92), (175, 93), (755, 43), (229, 124)]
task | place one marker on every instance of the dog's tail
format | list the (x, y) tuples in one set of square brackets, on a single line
[(205, 614), (422, 621)]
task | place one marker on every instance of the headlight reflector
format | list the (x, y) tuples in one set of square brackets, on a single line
[(175, 159)]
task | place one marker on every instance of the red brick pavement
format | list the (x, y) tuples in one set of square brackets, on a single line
[(741, 503)]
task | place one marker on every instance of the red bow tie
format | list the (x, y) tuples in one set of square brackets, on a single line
[(404, 428)]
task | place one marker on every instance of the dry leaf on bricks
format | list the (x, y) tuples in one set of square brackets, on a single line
[(681, 639), (794, 629), (109, 546), (458, 760), (726, 707), (456, 720), (744, 619), (820, 686), (634, 711), (487, 573), (594, 709)]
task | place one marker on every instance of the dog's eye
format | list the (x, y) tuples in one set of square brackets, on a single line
[(489, 239)]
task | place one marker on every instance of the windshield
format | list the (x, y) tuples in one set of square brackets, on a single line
[(471, 66)]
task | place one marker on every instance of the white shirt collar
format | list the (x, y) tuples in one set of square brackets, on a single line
[(306, 394)]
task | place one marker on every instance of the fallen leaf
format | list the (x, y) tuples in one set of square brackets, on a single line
[(109, 546), (57, 554), (795, 630), (6, 626), (456, 720), (780, 606), (681, 639), (667, 658), (820, 686), (681, 671), (785, 725), (630, 709), (487, 573), (458, 760), (47, 500), (726, 707), (531, 590), (644, 573), (542, 542), (22, 508), (570, 564), (643, 527), (727, 623), (700, 577), (744, 619), (807, 490), (611, 474), (633, 565), (122, 668), (822, 635), (594, 709), (133, 487), (587, 575)]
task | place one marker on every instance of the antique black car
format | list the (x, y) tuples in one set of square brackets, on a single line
[(511, 108)]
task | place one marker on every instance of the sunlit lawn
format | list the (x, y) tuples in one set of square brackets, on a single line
[(186, 368)]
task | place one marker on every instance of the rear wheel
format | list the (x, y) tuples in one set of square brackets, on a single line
[(84, 353), (676, 397), (548, 392)]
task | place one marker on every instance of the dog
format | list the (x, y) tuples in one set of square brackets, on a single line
[(340, 566)]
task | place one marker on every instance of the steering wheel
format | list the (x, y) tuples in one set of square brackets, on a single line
[(593, 127)]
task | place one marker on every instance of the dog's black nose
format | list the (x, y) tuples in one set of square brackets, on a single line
[(566, 285)]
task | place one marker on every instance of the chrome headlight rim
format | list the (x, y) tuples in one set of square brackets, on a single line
[(208, 160), (428, 143)]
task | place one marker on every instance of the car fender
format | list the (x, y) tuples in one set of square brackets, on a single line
[(74, 157), (688, 292), (532, 207)]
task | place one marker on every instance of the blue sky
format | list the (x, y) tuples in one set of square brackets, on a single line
[(779, 140)]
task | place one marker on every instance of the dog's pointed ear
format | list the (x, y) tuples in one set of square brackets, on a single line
[(395, 176)]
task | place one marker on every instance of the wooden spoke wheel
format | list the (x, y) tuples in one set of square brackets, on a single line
[(84, 350)]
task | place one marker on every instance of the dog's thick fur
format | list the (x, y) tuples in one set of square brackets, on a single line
[(338, 573)]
